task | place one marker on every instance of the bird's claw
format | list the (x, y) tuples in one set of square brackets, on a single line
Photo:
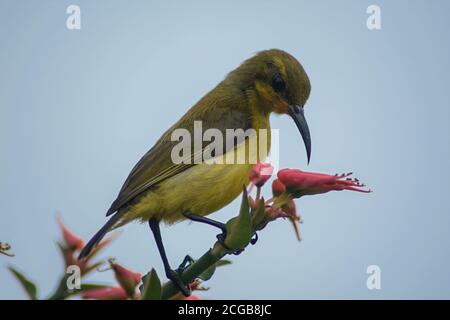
[(174, 276), (254, 239), (221, 238)]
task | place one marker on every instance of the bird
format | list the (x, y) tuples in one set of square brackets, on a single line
[(160, 190)]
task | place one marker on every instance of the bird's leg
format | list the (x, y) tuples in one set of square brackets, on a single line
[(222, 226), (206, 220), (170, 273)]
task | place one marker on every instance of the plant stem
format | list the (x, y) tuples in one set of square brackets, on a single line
[(258, 192), (195, 269)]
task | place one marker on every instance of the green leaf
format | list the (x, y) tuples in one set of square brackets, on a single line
[(208, 273), (151, 289), (28, 285), (223, 262), (240, 228)]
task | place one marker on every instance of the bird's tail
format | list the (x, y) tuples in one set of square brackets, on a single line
[(110, 225)]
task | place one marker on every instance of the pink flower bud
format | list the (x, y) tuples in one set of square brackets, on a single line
[(116, 293), (127, 279), (72, 241), (278, 188), (261, 172)]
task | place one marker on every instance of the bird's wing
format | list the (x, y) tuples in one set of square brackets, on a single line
[(227, 112)]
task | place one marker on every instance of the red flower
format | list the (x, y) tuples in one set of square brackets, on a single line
[(127, 279), (300, 183), (72, 241), (115, 293), (261, 172), (72, 244), (278, 188)]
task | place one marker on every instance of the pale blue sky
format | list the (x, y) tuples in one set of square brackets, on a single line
[(79, 108)]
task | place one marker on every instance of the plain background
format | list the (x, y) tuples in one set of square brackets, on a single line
[(79, 108)]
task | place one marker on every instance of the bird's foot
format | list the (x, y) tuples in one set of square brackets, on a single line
[(222, 226), (221, 239), (187, 261), (174, 276)]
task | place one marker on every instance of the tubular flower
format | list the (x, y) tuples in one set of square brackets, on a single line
[(72, 244), (278, 188), (72, 241), (70, 259), (115, 293), (300, 183), (127, 279), (261, 172)]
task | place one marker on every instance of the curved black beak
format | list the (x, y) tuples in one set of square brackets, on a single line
[(298, 116)]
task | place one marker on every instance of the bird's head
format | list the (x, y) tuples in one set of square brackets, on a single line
[(279, 83)]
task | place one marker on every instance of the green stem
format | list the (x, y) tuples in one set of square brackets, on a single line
[(258, 192), (192, 272)]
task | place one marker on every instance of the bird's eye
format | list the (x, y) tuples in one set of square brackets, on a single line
[(278, 84)]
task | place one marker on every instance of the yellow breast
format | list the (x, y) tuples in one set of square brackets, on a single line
[(201, 189)]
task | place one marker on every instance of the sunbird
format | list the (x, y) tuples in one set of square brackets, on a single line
[(157, 189)]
